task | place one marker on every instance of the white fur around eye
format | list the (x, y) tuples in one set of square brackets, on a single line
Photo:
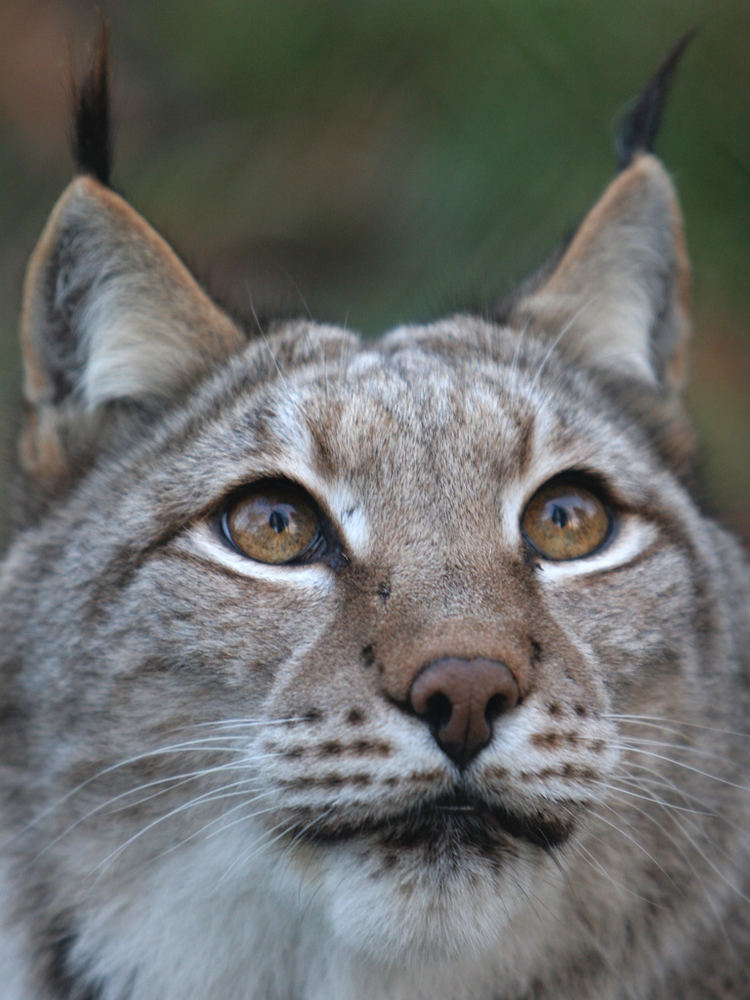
[(203, 541), (632, 537), (351, 522)]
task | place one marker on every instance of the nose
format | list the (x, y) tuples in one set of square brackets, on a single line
[(460, 699)]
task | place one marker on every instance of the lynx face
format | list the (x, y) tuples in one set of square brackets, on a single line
[(335, 668)]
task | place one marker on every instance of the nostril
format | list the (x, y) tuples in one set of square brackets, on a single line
[(438, 710), (497, 704)]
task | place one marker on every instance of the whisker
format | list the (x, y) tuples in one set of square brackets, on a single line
[(207, 745), (206, 797), (649, 798), (172, 782), (684, 855), (300, 833), (218, 819), (261, 843), (630, 838), (657, 721), (588, 856), (698, 751), (682, 764), (702, 854), (238, 723)]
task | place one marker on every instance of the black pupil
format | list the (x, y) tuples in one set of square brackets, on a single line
[(559, 516), (278, 521)]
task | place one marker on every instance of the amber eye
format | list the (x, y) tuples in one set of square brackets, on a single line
[(274, 522), (566, 520)]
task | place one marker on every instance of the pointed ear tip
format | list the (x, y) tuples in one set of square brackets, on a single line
[(647, 187), (648, 164), (84, 187), (87, 183), (648, 169)]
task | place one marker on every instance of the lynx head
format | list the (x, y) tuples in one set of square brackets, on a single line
[(347, 630)]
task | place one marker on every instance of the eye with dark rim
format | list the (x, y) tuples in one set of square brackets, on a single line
[(278, 523), (568, 518)]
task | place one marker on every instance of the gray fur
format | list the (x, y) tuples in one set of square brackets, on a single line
[(210, 784)]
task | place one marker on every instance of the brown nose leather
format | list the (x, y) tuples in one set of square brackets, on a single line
[(460, 699)]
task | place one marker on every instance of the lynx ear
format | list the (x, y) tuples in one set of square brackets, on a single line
[(618, 297), (109, 314)]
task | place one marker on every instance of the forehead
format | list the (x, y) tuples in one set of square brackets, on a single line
[(442, 402), (410, 409)]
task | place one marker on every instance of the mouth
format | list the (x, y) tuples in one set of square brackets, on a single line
[(456, 820)]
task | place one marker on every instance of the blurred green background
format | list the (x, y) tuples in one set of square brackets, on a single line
[(382, 161)]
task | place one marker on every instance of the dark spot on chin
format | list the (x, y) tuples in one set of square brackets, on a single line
[(368, 655)]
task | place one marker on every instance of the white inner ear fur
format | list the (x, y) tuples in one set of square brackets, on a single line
[(132, 349), (110, 307), (611, 329), (619, 294)]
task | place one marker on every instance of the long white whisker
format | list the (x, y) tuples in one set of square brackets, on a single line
[(657, 721), (649, 798), (221, 818), (666, 745), (238, 723), (588, 856), (630, 838), (171, 782), (205, 745), (211, 796), (682, 764), (261, 844)]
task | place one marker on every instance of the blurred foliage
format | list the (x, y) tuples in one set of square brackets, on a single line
[(385, 161)]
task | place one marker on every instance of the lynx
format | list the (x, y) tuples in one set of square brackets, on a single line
[(336, 669)]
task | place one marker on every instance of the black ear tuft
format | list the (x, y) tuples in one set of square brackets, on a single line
[(91, 139), (638, 130)]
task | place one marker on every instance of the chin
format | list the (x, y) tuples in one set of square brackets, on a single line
[(413, 910)]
